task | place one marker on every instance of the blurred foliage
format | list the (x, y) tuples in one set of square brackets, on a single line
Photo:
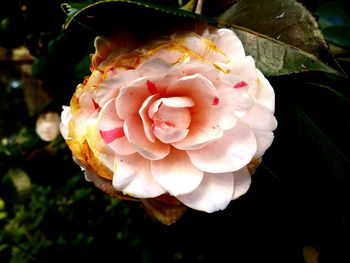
[(297, 209)]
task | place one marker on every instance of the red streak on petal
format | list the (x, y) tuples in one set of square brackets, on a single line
[(111, 135), (241, 84), (153, 126), (151, 87), (215, 101), (96, 106)]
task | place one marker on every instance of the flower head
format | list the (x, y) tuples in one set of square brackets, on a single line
[(183, 116)]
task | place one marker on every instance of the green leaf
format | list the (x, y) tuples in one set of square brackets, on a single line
[(72, 9), (275, 58), (104, 17), (281, 35), (16, 184)]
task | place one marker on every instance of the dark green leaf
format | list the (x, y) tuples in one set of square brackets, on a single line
[(284, 32), (104, 17)]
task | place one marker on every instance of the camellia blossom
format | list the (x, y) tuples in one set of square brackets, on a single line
[(182, 118)]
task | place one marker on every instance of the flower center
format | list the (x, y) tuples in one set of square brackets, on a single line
[(170, 118)]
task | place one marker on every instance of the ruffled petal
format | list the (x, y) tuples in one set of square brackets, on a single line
[(242, 180), (133, 177), (176, 173), (230, 153), (260, 118), (133, 128), (213, 194), (131, 98)]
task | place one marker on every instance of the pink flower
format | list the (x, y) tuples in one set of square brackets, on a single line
[(180, 117)]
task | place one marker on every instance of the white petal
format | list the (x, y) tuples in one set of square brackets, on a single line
[(110, 87), (242, 180), (234, 103), (260, 118), (265, 94), (228, 42), (262, 122), (154, 66), (193, 67), (176, 173), (133, 177), (133, 128), (264, 140), (245, 70), (230, 153), (213, 194), (204, 47), (170, 55), (66, 116)]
